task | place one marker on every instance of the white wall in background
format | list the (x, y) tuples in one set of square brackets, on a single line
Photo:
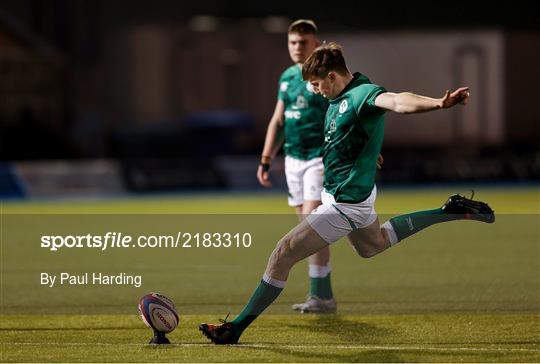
[(428, 63)]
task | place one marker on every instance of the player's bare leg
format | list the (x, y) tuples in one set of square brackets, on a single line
[(322, 257), (299, 243), (369, 241)]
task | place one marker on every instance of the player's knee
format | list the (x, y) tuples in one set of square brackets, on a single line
[(282, 253)]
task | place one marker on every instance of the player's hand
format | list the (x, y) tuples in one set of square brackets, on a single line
[(459, 96), (380, 161), (263, 177)]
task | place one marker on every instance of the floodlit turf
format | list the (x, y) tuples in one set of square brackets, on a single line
[(280, 338), (462, 291)]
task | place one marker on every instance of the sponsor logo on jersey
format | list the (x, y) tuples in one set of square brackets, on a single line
[(291, 114), (343, 106), (283, 86)]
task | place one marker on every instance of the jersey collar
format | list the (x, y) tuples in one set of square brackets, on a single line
[(357, 79)]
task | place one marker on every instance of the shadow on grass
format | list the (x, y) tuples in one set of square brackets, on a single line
[(391, 356), (333, 330), (344, 331), (317, 355)]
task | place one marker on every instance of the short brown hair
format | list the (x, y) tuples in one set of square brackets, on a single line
[(323, 60), (303, 26)]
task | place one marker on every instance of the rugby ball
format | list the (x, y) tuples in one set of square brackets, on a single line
[(158, 312)]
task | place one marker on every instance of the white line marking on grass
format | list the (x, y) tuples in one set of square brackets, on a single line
[(269, 346)]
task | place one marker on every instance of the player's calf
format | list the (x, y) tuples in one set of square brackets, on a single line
[(369, 241)]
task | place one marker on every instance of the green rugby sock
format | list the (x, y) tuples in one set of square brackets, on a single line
[(409, 224), (263, 297), (320, 282), (321, 287)]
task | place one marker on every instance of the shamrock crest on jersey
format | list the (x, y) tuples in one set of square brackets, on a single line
[(343, 106)]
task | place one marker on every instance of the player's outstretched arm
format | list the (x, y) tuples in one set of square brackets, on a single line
[(272, 143), (408, 103)]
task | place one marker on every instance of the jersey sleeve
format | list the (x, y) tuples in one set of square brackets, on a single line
[(364, 100), (374, 92), (282, 89)]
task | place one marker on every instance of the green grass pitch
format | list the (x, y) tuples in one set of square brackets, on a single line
[(461, 291)]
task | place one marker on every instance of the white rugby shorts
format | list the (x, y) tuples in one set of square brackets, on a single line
[(333, 220), (304, 179)]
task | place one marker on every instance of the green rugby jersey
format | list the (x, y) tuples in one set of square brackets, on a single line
[(303, 117), (353, 137)]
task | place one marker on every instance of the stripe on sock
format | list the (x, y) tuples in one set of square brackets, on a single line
[(318, 271), (273, 282), (391, 232)]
